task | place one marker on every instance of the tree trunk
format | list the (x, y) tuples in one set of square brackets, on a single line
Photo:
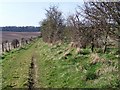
[(8, 46), (92, 45), (105, 44), (105, 48), (2, 47)]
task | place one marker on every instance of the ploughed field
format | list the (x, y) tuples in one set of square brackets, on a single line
[(5, 35)]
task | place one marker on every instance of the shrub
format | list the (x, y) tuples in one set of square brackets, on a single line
[(2, 57), (99, 50), (91, 76), (85, 51)]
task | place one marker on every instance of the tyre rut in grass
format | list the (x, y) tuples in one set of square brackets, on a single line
[(32, 74)]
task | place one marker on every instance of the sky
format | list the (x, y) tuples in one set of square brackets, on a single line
[(31, 12)]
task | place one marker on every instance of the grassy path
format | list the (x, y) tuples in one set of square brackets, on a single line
[(15, 67)]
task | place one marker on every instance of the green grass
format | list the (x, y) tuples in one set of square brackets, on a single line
[(15, 67), (74, 70), (56, 70)]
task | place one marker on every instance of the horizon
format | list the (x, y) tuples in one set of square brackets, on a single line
[(31, 13)]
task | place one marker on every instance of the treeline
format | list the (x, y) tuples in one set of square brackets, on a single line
[(21, 29), (95, 25)]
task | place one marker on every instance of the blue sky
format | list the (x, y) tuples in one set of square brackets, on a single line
[(29, 13)]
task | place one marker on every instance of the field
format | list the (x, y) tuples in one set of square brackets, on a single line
[(42, 65), (9, 36), (17, 35)]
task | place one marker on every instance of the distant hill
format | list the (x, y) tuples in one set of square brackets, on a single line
[(20, 29)]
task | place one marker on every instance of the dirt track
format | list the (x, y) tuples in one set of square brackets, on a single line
[(32, 80)]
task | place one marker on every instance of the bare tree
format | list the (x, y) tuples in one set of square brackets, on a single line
[(78, 30), (52, 26), (102, 18)]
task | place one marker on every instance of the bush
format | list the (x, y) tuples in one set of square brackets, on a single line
[(2, 57), (99, 50), (91, 76), (85, 51)]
